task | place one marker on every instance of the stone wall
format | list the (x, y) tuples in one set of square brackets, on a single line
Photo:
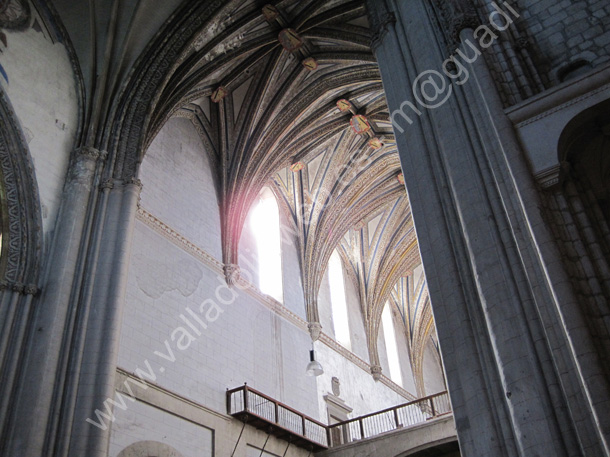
[(566, 31)]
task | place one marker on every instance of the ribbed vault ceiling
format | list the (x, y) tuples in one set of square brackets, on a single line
[(259, 110), (261, 84)]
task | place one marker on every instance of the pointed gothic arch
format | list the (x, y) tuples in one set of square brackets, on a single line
[(20, 206)]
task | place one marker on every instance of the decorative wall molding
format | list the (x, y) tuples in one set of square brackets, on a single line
[(159, 391), (561, 107), (561, 97), (179, 240), (549, 177)]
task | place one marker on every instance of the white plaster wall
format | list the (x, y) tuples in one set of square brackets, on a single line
[(141, 422), (356, 322), (248, 251), (178, 186), (247, 343), (382, 351), (256, 452), (408, 381), (358, 388), (433, 373), (325, 310), (42, 89), (294, 299)]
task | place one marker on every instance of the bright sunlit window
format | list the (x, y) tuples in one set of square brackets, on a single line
[(338, 301), (266, 228), (391, 345)]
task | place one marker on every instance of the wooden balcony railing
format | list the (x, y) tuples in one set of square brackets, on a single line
[(263, 412), (390, 419)]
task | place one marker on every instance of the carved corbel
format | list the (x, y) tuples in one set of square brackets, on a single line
[(315, 328), (232, 273), (376, 372)]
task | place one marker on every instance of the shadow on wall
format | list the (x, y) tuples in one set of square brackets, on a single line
[(451, 449)]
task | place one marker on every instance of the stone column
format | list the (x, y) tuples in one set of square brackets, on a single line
[(580, 397), (97, 364), (489, 287), (39, 394), (15, 312), (70, 368)]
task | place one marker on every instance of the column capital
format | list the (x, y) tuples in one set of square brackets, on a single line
[(21, 288), (381, 28), (457, 15), (134, 182), (380, 19), (107, 184), (89, 152)]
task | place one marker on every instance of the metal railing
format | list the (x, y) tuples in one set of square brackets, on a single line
[(245, 400), (390, 419)]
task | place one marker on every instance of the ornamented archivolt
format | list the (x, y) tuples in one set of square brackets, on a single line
[(20, 207)]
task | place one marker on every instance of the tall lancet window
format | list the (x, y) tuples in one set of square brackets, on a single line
[(338, 301), (266, 229), (390, 344)]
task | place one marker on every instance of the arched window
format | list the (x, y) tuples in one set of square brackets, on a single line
[(338, 300), (391, 346), (266, 229)]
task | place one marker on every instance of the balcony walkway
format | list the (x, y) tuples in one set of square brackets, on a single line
[(436, 437), (263, 412)]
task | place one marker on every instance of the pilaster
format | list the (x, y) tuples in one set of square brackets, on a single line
[(488, 288)]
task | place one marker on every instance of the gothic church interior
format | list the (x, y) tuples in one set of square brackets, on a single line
[(304, 227)]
